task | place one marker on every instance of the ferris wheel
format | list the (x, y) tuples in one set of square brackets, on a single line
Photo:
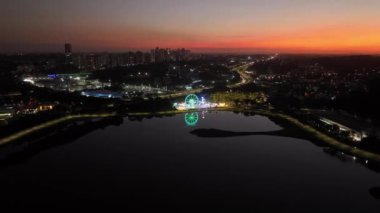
[(191, 101)]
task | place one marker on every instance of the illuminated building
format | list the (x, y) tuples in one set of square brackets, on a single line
[(354, 134), (67, 82), (45, 107)]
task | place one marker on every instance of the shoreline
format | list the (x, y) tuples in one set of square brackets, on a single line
[(320, 136), (66, 119)]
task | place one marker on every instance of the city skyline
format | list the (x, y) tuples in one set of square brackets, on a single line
[(283, 26)]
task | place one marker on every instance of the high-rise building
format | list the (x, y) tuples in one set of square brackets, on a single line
[(162, 55), (68, 54), (147, 58), (181, 54), (139, 57), (90, 62), (68, 49)]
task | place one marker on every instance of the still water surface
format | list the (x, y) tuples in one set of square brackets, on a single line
[(158, 164)]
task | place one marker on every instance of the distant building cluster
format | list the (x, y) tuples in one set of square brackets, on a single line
[(102, 61), (162, 55), (316, 85)]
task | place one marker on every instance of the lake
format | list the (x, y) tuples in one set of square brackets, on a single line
[(161, 164)]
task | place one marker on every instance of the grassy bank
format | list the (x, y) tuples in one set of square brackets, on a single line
[(328, 140)]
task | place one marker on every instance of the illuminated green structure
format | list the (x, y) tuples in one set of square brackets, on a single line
[(191, 119), (192, 101)]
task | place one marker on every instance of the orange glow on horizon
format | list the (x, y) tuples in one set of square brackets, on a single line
[(318, 41), (329, 40)]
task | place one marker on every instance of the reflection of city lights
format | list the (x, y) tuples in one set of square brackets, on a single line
[(191, 119)]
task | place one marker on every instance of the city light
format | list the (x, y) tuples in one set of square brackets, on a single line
[(193, 102), (29, 80)]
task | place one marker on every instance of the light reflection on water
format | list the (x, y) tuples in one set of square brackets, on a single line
[(192, 118)]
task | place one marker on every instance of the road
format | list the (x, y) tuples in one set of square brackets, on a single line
[(184, 93), (245, 78), (241, 70)]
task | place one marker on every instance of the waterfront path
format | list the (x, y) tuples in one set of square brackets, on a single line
[(52, 123)]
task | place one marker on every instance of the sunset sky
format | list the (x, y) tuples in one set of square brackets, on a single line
[(285, 26)]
